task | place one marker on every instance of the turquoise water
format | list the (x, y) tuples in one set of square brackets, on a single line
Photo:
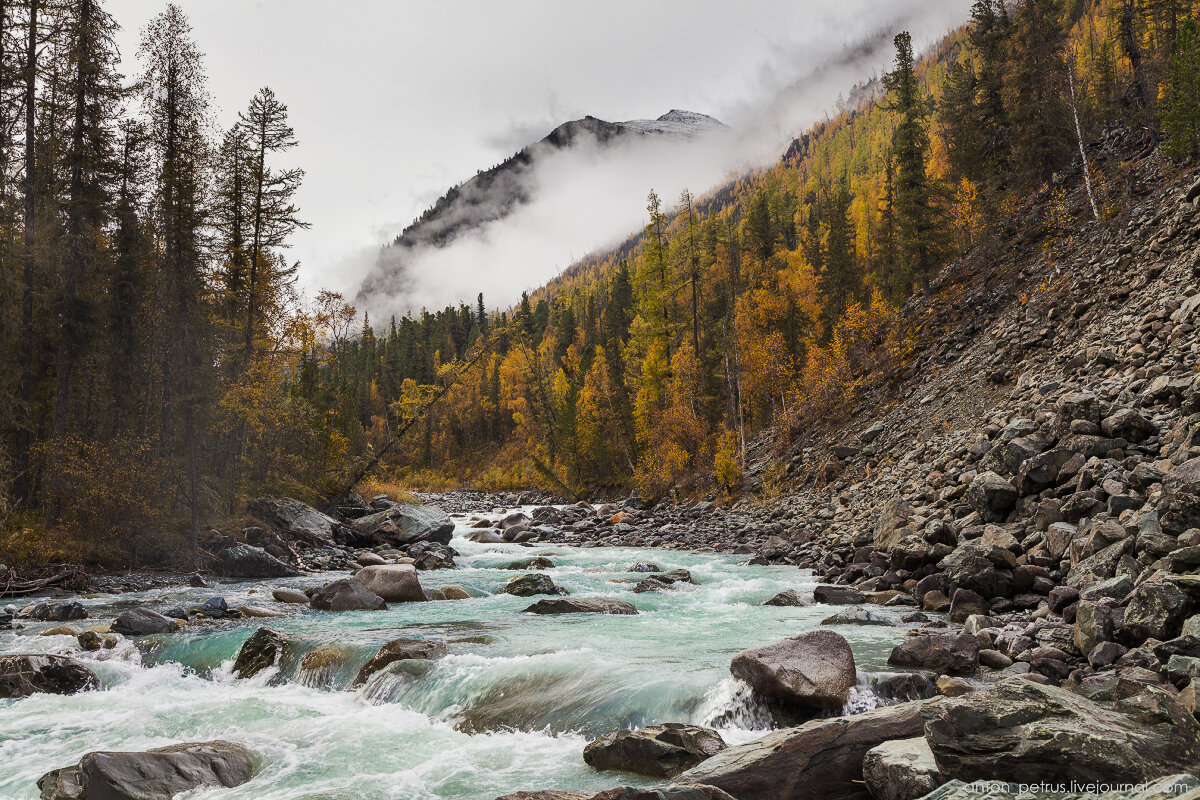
[(509, 709)]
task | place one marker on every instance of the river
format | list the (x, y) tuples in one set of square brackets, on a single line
[(510, 707)]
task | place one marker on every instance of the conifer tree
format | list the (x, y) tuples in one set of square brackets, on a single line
[(1181, 101)]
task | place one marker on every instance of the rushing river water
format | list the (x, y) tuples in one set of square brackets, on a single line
[(510, 707)]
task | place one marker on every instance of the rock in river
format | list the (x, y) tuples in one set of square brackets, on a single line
[(262, 650), (59, 611), (951, 655), (530, 585), (143, 622), (788, 597), (405, 523), (814, 669), (658, 750), (816, 761), (246, 561), (159, 773), (348, 594), (395, 583), (399, 650), (1022, 731), (23, 675), (581, 605), (664, 580)]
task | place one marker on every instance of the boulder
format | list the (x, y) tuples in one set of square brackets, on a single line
[(664, 580), (902, 769), (838, 595), (547, 795), (405, 523), (661, 751), (1026, 732), (143, 622), (643, 567), (942, 653), (581, 605), (965, 603), (56, 611), (530, 585), (157, 774), (263, 649), (289, 596), (991, 496), (857, 616), (814, 669), (247, 561), (295, 519), (23, 675), (816, 761), (1179, 506), (1157, 611), (429, 555), (399, 650), (1129, 424), (349, 594), (788, 597), (540, 562), (395, 583)]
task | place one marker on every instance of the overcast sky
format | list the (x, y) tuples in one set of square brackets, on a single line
[(394, 102)]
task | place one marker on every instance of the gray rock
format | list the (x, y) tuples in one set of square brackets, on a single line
[(263, 649), (143, 622), (23, 675), (902, 769), (814, 669), (399, 650), (295, 519), (857, 616), (59, 611), (1157, 611), (395, 583), (405, 523), (347, 594), (1030, 733), (663, 580), (661, 751), (247, 561), (157, 774), (530, 585), (788, 597), (991, 496), (838, 595), (942, 653), (581, 605), (430, 555)]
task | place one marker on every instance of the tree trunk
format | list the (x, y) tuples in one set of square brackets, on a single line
[(24, 483)]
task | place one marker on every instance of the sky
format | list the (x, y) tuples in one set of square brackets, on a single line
[(393, 102)]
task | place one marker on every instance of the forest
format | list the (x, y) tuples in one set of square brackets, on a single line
[(160, 368)]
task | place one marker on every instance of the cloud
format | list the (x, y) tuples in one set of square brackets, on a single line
[(590, 196)]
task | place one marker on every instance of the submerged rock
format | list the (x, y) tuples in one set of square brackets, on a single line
[(661, 751), (395, 583), (23, 675), (349, 594), (581, 605), (664, 580), (159, 773), (818, 760), (289, 596), (814, 669), (399, 650), (143, 622), (1030, 733), (262, 650), (540, 562)]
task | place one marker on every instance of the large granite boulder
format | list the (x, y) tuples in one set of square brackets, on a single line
[(532, 584), (661, 751), (395, 583), (399, 650), (942, 653), (247, 561), (902, 769), (406, 523), (263, 649), (143, 622), (992, 496), (23, 675), (347, 594), (581, 605), (818, 760), (157, 774), (295, 519), (1027, 732), (814, 669)]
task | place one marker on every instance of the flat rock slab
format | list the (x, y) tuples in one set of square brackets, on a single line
[(581, 605), (160, 773)]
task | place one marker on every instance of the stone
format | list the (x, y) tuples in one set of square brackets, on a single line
[(788, 597), (247, 561), (966, 603), (143, 622), (935, 601), (23, 675), (399, 650), (65, 611), (991, 496), (994, 659), (395, 583), (406, 523), (1095, 622), (661, 751), (838, 595), (428, 555), (451, 592), (349, 594), (262, 650), (1179, 506), (1157, 611), (815, 761), (857, 616), (813, 669), (581, 605), (158, 774), (289, 596), (902, 769), (942, 653), (540, 562), (1032, 733), (369, 559), (643, 567), (663, 580), (530, 585), (1129, 424), (295, 519)]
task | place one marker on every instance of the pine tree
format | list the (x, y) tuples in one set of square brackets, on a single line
[(1181, 100), (1034, 91), (841, 280)]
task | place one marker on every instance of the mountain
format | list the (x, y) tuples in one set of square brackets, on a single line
[(495, 193)]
